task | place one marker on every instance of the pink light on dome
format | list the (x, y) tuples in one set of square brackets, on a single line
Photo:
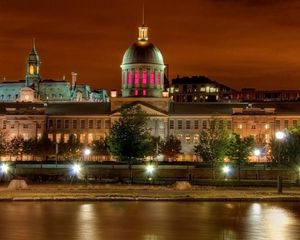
[(129, 77), (158, 78), (152, 78), (144, 77), (136, 77)]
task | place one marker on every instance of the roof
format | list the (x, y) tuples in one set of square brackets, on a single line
[(292, 108), (78, 108), (143, 52)]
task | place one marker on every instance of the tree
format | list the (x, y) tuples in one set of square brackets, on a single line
[(16, 147), (129, 137), (100, 147), (212, 144), (71, 150), (239, 150), (170, 147), (45, 147)]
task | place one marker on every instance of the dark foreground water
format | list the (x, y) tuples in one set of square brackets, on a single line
[(148, 220)]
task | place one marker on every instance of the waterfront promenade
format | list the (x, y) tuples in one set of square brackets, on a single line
[(110, 192)]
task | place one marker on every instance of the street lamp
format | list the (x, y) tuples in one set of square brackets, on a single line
[(226, 170), (87, 152), (280, 136), (150, 169), (76, 169), (4, 168), (257, 152)]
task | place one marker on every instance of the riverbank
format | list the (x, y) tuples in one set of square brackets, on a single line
[(116, 192)]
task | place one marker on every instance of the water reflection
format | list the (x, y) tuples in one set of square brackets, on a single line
[(149, 220)]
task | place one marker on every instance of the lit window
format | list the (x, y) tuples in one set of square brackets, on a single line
[(152, 78), (144, 77), (136, 92), (267, 126), (66, 137), (136, 77), (240, 126), (196, 138), (144, 92), (188, 138), (50, 136), (58, 137), (129, 77), (82, 138), (31, 70), (158, 78), (90, 138)]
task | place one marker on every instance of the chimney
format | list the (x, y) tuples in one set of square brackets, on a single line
[(74, 78)]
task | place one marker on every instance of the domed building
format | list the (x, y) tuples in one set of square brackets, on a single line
[(142, 68)]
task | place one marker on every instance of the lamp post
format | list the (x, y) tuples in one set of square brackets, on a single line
[(280, 136)]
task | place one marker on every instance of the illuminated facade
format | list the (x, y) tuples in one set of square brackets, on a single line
[(142, 74), (36, 89)]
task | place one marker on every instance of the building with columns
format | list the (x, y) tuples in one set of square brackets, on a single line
[(142, 71)]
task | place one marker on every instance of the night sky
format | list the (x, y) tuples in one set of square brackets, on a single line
[(241, 43)]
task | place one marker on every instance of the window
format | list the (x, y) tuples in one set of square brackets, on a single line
[(91, 124), (204, 124), (144, 77), (187, 124), (38, 125), (66, 123), (196, 138), (277, 124), (66, 137), (58, 124), (144, 92), (286, 123), (98, 124), (152, 78), (58, 137), (136, 77), (179, 136), (171, 124), (136, 92), (82, 124), (158, 78), (12, 126), (295, 123), (188, 138), (74, 124), (82, 138), (253, 126), (229, 125), (50, 136), (196, 124), (179, 124), (50, 123), (267, 126), (90, 138), (25, 125), (107, 124), (129, 78), (4, 124)]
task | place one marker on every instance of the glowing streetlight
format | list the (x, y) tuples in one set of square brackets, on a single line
[(226, 169), (87, 152), (150, 169), (76, 169), (280, 135), (4, 168), (257, 152)]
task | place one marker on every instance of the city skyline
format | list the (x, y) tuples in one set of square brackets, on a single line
[(210, 38)]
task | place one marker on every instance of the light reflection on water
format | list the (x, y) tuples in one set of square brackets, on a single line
[(148, 220)]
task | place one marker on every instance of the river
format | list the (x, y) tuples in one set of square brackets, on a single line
[(148, 220)]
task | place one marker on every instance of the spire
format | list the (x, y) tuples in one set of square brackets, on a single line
[(143, 31)]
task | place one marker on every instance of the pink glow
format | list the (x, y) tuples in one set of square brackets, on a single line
[(136, 92), (136, 77), (158, 78), (144, 77), (152, 78), (129, 77), (144, 92)]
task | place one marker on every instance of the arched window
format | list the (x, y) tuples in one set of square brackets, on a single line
[(31, 70), (151, 78), (136, 77), (129, 77), (144, 77)]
